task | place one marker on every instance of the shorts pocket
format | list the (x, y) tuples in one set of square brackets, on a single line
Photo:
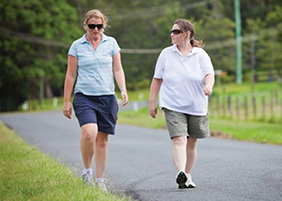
[(114, 108), (78, 103), (109, 105)]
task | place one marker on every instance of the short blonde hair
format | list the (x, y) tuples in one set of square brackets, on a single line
[(95, 14)]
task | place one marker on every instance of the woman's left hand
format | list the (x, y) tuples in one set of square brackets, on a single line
[(124, 97), (207, 90)]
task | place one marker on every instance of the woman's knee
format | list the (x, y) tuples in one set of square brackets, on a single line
[(181, 140), (102, 140), (192, 143), (192, 140), (89, 132), (89, 136)]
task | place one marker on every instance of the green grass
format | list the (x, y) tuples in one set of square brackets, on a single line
[(241, 130), (245, 88), (142, 118), (47, 104), (249, 131), (264, 127), (28, 174), (50, 104), (242, 90), (142, 94), (269, 111)]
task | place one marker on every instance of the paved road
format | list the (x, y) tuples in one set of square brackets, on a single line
[(140, 161)]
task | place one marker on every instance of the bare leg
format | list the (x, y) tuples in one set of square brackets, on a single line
[(191, 154), (87, 143), (179, 152), (101, 150)]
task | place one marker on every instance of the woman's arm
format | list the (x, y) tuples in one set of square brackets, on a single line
[(209, 82), (154, 90), (69, 82), (120, 78)]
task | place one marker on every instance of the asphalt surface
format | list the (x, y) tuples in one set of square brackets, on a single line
[(140, 165)]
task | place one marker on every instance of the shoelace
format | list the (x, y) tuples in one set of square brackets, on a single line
[(105, 180), (87, 179), (102, 185)]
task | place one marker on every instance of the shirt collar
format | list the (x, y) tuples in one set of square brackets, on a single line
[(174, 48), (83, 39), (194, 49)]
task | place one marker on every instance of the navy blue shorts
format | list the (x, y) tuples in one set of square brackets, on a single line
[(101, 110)]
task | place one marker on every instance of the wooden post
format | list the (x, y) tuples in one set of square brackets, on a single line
[(254, 107), (230, 106), (281, 109), (210, 105), (263, 106), (223, 107), (272, 104), (238, 107), (276, 97), (246, 107), (218, 105)]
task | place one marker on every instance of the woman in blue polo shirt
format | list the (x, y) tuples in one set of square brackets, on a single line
[(184, 76), (94, 61)]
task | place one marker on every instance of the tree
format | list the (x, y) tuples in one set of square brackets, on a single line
[(35, 35), (268, 46)]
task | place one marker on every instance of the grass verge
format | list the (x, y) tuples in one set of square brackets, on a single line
[(249, 131), (28, 174), (241, 130)]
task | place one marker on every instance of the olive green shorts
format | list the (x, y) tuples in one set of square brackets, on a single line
[(180, 124)]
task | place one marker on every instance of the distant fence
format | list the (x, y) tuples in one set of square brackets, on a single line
[(259, 106)]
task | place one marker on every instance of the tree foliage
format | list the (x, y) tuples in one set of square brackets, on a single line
[(28, 60), (35, 37)]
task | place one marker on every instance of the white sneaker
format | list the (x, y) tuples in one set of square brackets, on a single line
[(88, 179), (190, 183), (102, 186)]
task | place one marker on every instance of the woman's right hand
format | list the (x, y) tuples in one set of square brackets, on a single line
[(124, 97), (67, 109), (153, 109)]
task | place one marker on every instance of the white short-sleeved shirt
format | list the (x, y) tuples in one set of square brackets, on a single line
[(183, 80), (95, 67)]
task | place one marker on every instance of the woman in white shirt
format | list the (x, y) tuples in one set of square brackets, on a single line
[(184, 76)]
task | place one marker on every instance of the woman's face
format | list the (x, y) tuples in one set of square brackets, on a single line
[(97, 31), (177, 36)]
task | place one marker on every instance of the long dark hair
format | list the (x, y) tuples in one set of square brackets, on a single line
[(185, 26)]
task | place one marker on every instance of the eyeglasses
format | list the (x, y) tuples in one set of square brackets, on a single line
[(176, 31), (93, 26)]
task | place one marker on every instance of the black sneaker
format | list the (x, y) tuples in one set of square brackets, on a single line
[(181, 180)]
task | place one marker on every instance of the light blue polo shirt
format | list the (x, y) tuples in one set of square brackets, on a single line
[(95, 67)]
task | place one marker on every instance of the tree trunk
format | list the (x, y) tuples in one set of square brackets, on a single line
[(48, 90)]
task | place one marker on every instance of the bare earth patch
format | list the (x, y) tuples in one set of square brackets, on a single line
[(219, 134)]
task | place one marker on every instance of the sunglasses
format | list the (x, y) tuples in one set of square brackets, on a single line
[(93, 26), (176, 31)]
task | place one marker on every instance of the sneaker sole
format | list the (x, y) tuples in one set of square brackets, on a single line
[(181, 180), (191, 186)]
